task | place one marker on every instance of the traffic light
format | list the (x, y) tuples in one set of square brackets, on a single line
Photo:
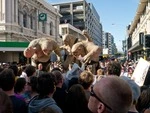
[(147, 41)]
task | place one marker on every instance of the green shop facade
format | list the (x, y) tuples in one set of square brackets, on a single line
[(12, 52)]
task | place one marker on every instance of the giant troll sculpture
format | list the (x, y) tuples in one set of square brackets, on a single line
[(69, 40), (84, 51), (87, 52), (39, 51)]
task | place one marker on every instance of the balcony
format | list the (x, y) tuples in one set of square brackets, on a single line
[(78, 24), (78, 16), (67, 17), (78, 7), (16, 29), (65, 10)]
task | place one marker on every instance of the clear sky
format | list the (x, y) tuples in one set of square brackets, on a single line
[(115, 15)]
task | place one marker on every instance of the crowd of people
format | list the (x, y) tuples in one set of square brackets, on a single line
[(29, 89), (79, 83)]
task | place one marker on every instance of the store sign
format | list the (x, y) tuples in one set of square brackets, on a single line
[(42, 17)]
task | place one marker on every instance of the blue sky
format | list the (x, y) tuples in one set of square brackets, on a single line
[(115, 15)]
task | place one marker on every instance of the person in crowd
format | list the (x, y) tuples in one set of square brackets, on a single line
[(113, 68), (46, 89), (21, 71), (5, 103), (100, 74), (39, 51), (111, 94), (143, 104), (47, 110), (130, 71), (14, 67), (60, 93), (20, 88), (7, 82), (76, 101), (39, 69), (32, 87), (86, 79), (28, 71), (135, 93)]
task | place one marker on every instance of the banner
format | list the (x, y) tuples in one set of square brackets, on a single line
[(140, 72)]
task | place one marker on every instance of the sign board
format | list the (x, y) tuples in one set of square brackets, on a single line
[(42, 17), (140, 71)]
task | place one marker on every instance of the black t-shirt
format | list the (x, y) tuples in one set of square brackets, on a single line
[(19, 106)]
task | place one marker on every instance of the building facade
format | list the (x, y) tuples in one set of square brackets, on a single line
[(81, 15), (21, 21), (108, 43), (138, 28)]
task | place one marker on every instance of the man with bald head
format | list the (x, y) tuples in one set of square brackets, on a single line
[(110, 95)]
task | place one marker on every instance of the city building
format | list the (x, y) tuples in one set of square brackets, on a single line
[(22, 21), (137, 30), (81, 15), (108, 44)]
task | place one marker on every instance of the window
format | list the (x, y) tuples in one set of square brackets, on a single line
[(43, 27), (15, 11), (19, 13), (51, 28), (1, 11), (31, 21), (24, 19)]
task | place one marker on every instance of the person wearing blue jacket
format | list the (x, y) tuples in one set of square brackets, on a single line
[(46, 89)]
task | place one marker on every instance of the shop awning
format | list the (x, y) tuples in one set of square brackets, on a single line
[(135, 47), (13, 46)]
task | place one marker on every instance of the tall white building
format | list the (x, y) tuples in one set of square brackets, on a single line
[(108, 42), (22, 21)]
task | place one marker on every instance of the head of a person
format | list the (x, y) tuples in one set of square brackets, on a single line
[(134, 87), (144, 99), (46, 84), (14, 67), (76, 98), (114, 68), (30, 70), (40, 66), (7, 79), (20, 85), (100, 72), (58, 77), (5, 103), (86, 79), (32, 84), (111, 94)]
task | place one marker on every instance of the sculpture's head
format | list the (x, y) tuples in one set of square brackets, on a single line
[(78, 50), (47, 47), (68, 39)]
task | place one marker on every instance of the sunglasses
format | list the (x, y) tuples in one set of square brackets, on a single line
[(92, 93)]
